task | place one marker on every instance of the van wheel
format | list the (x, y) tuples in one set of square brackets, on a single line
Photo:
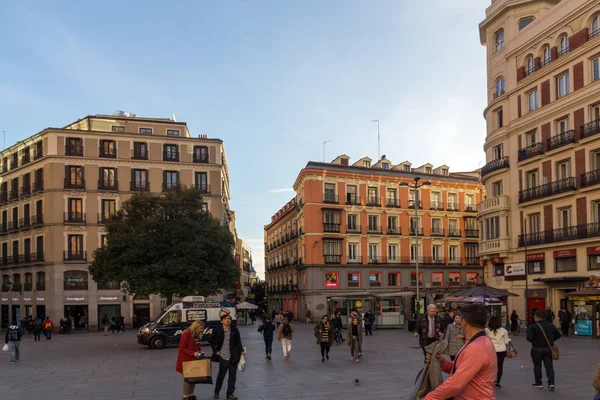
[(158, 343)]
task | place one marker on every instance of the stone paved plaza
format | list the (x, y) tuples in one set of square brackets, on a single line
[(91, 366)]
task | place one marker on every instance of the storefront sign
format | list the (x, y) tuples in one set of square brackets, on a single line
[(39, 299), (75, 299), (536, 256), (358, 304), (15, 299), (4, 298), (497, 260), (592, 251), (331, 279), (565, 253), (536, 293), (27, 299), (583, 328), (514, 269), (108, 298)]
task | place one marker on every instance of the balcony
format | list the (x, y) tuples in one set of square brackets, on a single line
[(353, 229), (470, 208), (549, 189), (201, 159), (25, 222), (590, 129), (331, 228), (5, 288), (374, 230), (377, 260), (437, 232), (74, 150), (25, 190), (77, 184), (494, 246), (330, 198), (3, 197), (26, 158), (494, 204), (352, 199), (494, 165), (373, 202), (170, 155), (37, 153), (472, 233), (140, 186), (103, 218), (419, 231), (454, 232), (576, 232), (139, 154), (14, 163), (590, 178), (560, 140), (433, 260), (330, 259), (75, 256), (13, 195), (37, 219), (12, 226), (355, 260), (392, 203), (74, 218), (472, 261), (107, 153), (37, 186), (110, 185), (563, 52), (528, 152), (453, 206), (394, 231), (28, 287), (16, 287), (411, 204), (437, 205)]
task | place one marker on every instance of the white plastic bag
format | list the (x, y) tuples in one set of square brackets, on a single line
[(242, 364), (5, 348)]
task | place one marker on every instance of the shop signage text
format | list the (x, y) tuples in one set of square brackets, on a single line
[(4, 299), (565, 253), (497, 260), (108, 298), (39, 299), (592, 251), (15, 299), (26, 298), (75, 299), (536, 256), (514, 269), (193, 315)]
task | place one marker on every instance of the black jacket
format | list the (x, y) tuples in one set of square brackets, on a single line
[(564, 317), (267, 330), (536, 337), (235, 343), (19, 332)]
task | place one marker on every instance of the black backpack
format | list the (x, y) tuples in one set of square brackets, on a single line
[(13, 335), (287, 330)]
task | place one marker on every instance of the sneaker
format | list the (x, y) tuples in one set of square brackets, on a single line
[(537, 386), (216, 396), (357, 360), (551, 388), (12, 362)]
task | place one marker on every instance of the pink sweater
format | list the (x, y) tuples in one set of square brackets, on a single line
[(474, 376)]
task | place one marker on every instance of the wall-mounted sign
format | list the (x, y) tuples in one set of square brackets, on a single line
[(26, 298), (39, 299), (76, 280), (331, 279), (15, 299), (536, 256), (514, 269), (108, 298), (358, 304), (592, 251), (565, 253), (497, 260), (536, 293), (4, 299), (193, 315), (75, 299)]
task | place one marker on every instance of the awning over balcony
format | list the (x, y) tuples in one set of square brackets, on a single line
[(562, 279)]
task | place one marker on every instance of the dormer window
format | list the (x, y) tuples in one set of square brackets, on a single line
[(407, 167), (524, 22), (428, 170), (444, 171), (385, 166), (500, 40), (367, 164)]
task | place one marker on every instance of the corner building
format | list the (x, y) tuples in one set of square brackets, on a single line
[(542, 149), (348, 239), (59, 187)]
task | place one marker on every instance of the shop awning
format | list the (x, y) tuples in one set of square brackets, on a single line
[(562, 279), (483, 291), (585, 292)]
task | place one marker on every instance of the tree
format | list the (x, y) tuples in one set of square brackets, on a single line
[(165, 244), (259, 292)]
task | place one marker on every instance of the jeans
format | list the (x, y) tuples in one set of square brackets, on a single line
[(324, 349), (48, 335), (286, 345), (268, 345), (369, 329), (36, 336), (539, 355), (339, 338), (500, 356), (224, 367), (14, 350)]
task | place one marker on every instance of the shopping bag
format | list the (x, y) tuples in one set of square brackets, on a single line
[(198, 371), (5, 348), (511, 352), (242, 363)]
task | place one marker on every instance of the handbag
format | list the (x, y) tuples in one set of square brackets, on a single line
[(198, 371), (511, 352), (553, 348)]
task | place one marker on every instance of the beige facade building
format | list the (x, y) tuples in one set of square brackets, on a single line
[(59, 186), (542, 148), (243, 259)]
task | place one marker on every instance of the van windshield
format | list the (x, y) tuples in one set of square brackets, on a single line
[(169, 318)]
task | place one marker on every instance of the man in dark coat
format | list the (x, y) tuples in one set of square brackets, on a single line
[(541, 334), (564, 316), (429, 328), (227, 348)]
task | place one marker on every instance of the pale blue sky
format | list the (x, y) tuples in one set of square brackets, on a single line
[(273, 79)]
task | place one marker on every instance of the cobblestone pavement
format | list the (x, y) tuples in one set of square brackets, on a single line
[(92, 366)]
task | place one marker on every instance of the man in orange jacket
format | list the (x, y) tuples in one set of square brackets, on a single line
[(47, 327)]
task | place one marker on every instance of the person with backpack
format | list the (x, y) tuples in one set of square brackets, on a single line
[(267, 329), (369, 320), (284, 335), (48, 327), (13, 339), (37, 329)]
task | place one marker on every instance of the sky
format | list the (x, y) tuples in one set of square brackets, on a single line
[(273, 79)]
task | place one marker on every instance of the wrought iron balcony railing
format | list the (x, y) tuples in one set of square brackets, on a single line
[(549, 189)]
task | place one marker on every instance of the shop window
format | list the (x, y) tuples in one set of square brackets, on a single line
[(353, 279), (594, 262), (393, 279), (498, 269), (437, 279), (374, 278), (109, 286), (471, 278), (389, 306), (413, 279), (454, 279), (331, 279), (76, 280), (566, 264), (536, 267)]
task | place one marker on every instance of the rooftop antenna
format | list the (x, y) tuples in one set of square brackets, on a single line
[(378, 141), (173, 118), (324, 143)]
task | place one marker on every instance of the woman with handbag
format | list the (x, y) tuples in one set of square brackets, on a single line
[(499, 337), (189, 350)]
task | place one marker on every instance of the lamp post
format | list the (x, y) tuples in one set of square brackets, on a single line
[(416, 187), (526, 272)]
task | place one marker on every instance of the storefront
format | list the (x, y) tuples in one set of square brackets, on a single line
[(4, 307), (40, 307), (76, 308), (141, 310), (585, 304), (109, 306), (343, 304)]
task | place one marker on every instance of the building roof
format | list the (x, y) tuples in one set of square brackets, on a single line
[(128, 118)]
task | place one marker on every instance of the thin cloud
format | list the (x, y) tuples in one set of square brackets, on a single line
[(286, 190)]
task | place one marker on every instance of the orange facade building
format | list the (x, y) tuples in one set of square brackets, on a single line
[(356, 244)]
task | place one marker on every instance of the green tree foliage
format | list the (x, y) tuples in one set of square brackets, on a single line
[(259, 292), (166, 245)]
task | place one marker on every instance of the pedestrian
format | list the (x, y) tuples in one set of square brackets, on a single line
[(473, 371), (448, 318), (273, 313), (267, 329), (284, 335), (369, 320), (542, 334), (122, 324), (355, 314), (308, 321), (106, 324), (499, 337), (454, 337), (355, 339), (113, 325), (337, 328), (48, 327), (13, 339), (550, 315), (429, 328), (514, 321), (290, 316), (226, 344), (564, 316), (596, 383), (37, 329), (324, 333), (189, 350), (84, 322), (277, 320), (340, 331)]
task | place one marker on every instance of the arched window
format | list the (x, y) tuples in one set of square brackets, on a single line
[(40, 281), (500, 40), (76, 280), (564, 45), (28, 281), (595, 27), (547, 56), (499, 87), (524, 22), (530, 65)]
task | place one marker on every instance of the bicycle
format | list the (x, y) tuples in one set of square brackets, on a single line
[(522, 324)]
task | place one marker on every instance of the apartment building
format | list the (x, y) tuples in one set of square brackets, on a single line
[(59, 187), (348, 239), (243, 260), (542, 148)]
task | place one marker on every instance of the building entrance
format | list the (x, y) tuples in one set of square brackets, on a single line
[(40, 312), (4, 316), (78, 315), (110, 310), (141, 315)]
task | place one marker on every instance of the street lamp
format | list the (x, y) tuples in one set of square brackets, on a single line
[(416, 187)]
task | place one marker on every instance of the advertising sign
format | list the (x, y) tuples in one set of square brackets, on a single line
[(193, 315), (583, 328), (514, 269), (331, 279)]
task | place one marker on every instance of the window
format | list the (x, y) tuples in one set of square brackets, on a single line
[(173, 132), (200, 154), (471, 278), (392, 223), (117, 128), (331, 279), (454, 278), (596, 211), (444, 171), (492, 228), (530, 138), (498, 151), (407, 167), (437, 279), (109, 208), (40, 281), (564, 217), (415, 252), (497, 188), (593, 262), (108, 148), (332, 251), (140, 151), (500, 40), (498, 269), (595, 113), (146, 131), (392, 197), (562, 86), (75, 248), (103, 240), (170, 152), (372, 197), (564, 45), (534, 224), (563, 169), (453, 201), (437, 253), (202, 182), (330, 193), (374, 278), (75, 210), (436, 200), (373, 252), (436, 227), (331, 221), (595, 27), (453, 254), (596, 69), (392, 252), (533, 100), (562, 126), (353, 279), (499, 118), (413, 279), (171, 179), (108, 178), (470, 201), (172, 318), (74, 147), (532, 179), (373, 223), (385, 166), (352, 194), (536, 267), (453, 227), (499, 87), (530, 65), (415, 224), (139, 179), (428, 170), (393, 279), (547, 56), (566, 264), (353, 223), (524, 22), (353, 252)]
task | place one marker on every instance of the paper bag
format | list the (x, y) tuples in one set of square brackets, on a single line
[(198, 371)]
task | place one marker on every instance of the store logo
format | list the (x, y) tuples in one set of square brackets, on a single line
[(15, 299), (111, 298), (75, 298), (4, 299), (39, 298), (27, 298)]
